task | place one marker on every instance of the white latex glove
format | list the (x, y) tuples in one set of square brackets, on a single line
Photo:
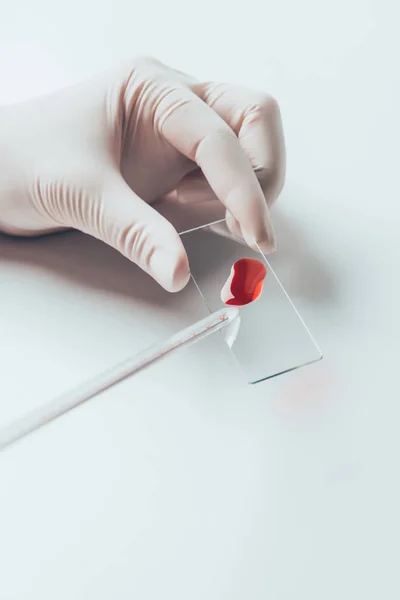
[(94, 156)]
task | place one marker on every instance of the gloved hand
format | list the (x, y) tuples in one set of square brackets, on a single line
[(96, 155)]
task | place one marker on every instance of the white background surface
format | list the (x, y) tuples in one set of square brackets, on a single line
[(189, 484)]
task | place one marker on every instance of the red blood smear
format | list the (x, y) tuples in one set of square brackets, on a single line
[(245, 282)]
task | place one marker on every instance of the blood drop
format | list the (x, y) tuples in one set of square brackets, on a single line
[(245, 282)]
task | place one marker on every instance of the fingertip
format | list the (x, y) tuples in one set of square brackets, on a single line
[(170, 267), (267, 246), (267, 243), (181, 274), (264, 233), (233, 225), (263, 240)]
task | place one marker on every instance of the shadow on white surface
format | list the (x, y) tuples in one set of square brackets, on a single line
[(298, 264), (83, 261)]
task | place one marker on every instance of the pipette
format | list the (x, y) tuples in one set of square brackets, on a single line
[(66, 402)]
